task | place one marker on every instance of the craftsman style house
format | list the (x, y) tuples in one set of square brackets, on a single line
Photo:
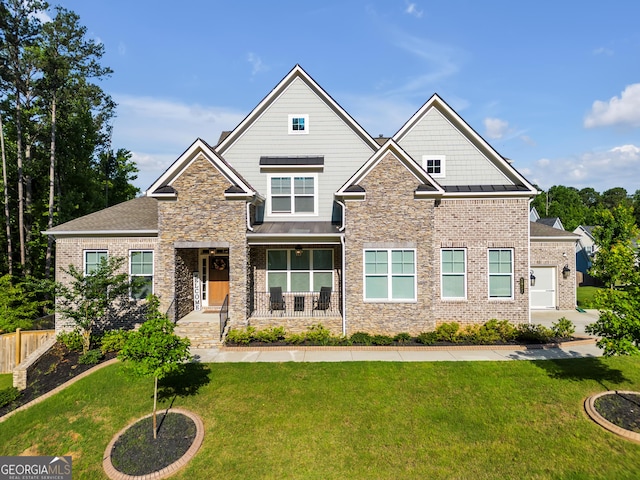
[(298, 216)]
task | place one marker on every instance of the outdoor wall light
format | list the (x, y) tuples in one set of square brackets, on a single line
[(532, 278), (566, 271), (298, 250)]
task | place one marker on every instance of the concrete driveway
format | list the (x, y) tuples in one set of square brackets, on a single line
[(580, 320)]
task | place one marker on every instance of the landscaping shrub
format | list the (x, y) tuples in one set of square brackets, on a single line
[(527, 333), (8, 395), (381, 340), (447, 332), (361, 338), (318, 334), (493, 331), (402, 338), (91, 357), (113, 340), (295, 338), (563, 328), (270, 335), (427, 338), (241, 336), (72, 340)]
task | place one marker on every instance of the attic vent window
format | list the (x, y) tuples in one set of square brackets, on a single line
[(298, 124), (434, 165)]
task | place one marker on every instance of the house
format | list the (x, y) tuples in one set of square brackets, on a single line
[(298, 216), (585, 250)]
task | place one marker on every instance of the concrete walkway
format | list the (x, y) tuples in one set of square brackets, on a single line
[(580, 349)]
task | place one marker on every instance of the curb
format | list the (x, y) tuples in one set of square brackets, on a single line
[(589, 406), (167, 471)]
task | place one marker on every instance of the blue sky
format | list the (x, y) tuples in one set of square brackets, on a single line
[(554, 88)]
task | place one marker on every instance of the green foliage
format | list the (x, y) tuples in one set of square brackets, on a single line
[(586, 296), (295, 338), (619, 322), (318, 334), (381, 340), (91, 357), (427, 338), (447, 332), (361, 338), (240, 336), (18, 305), (563, 328), (402, 338), (270, 335), (114, 340), (8, 395), (72, 340), (87, 298), (530, 333)]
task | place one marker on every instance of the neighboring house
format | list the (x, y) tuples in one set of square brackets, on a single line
[(382, 235), (585, 250), (553, 222)]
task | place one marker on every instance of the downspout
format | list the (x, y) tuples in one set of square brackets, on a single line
[(529, 259), (344, 208), (249, 227), (344, 269)]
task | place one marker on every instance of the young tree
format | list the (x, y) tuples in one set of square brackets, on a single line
[(87, 298), (155, 350)]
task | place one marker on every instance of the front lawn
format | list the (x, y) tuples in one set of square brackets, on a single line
[(362, 420), (586, 296), (6, 380)]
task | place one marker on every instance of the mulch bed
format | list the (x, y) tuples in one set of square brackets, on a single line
[(136, 452), (54, 368), (621, 409)]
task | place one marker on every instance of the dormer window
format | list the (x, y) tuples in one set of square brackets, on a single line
[(298, 124), (434, 165), (293, 194)]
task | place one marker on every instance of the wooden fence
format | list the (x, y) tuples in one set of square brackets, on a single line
[(15, 347)]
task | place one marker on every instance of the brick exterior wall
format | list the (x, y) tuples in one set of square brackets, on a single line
[(547, 254), (478, 225), (389, 217), (202, 214), (70, 251)]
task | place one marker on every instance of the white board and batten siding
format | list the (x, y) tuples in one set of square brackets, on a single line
[(328, 135)]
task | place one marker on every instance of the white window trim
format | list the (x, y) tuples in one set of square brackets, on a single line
[(270, 211), (389, 276), (153, 269), (84, 257), (443, 163), (511, 275), (289, 271), (464, 274), (290, 124)]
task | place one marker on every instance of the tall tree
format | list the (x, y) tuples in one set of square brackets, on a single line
[(116, 172), (614, 197), (563, 202)]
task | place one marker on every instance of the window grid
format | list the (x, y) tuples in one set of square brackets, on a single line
[(390, 275), (300, 200), (434, 165), (501, 273), (453, 273), (298, 124), (305, 273), (141, 271), (92, 259)]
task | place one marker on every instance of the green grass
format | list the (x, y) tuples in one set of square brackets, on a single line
[(357, 420), (6, 380), (586, 295)]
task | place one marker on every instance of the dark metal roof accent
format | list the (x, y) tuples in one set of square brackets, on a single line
[(234, 189), (301, 228), (165, 189), (423, 187), (294, 161), (355, 189), (542, 230), (485, 188)]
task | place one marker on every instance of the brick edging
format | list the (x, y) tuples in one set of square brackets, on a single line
[(412, 348), (59, 388), (114, 474), (589, 406)]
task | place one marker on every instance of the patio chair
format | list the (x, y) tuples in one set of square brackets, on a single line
[(323, 301), (276, 301)]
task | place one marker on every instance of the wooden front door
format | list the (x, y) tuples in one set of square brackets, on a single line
[(218, 283)]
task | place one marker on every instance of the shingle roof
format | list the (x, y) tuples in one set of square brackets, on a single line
[(542, 230), (137, 215), (549, 221)]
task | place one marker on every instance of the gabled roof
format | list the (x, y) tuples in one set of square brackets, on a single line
[(554, 222), (137, 217), (540, 231), (587, 229), (427, 187), (504, 165), (296, 73), (162, 186)]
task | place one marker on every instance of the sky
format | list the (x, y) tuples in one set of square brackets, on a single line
[(552, 87)]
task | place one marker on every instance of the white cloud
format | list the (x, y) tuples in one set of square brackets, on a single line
[(257, 65), (528, 140), (616, 167), (495, 128), (412, 9), (623, 110)]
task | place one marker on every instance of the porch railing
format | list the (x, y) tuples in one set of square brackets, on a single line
[(224, 315), (295, 304)]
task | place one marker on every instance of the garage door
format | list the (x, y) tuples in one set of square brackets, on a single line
[(543, 293)]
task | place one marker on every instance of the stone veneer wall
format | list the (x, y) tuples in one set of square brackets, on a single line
[(186, 264), (547, 254), (389, 217), (202, 214), (70, 251), (479, 225)]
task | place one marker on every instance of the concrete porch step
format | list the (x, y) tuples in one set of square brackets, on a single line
[(201, 334)]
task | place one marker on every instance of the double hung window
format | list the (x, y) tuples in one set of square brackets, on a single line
[(293, 194), (501, 273), (390, 275), (306, 272), (92, 260), (453, 273), (141, 272)]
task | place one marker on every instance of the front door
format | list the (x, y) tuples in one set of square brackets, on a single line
[(218, 281), (543, 293)]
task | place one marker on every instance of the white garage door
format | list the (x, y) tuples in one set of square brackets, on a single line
[(543, 293)]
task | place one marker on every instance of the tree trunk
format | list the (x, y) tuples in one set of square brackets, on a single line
[(7, 214), (28, 202), (52, 171), (23, 251), (155, 401)]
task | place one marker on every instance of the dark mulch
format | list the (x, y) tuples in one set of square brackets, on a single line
[(54, 368), (136, 452), (621, 409)]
